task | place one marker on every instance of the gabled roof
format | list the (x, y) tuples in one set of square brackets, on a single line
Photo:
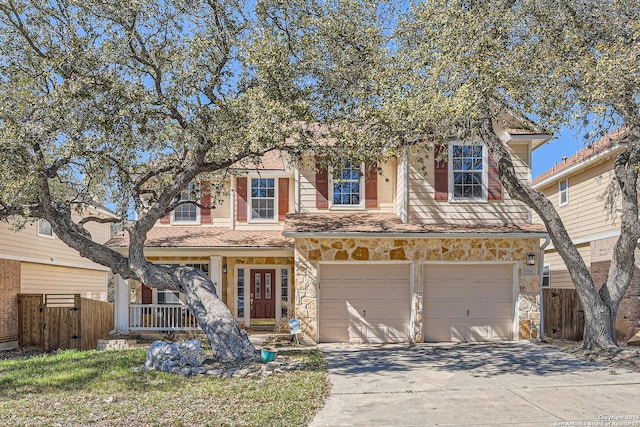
[(381, 225), (605, 144), (205, 237), (271, 160)]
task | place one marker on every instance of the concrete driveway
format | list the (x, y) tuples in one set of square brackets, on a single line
[(508, 384)]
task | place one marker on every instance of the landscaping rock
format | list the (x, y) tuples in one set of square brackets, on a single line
[(166, 356)]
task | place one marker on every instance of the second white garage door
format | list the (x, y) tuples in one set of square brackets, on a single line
[(468, 302), (366, 303)]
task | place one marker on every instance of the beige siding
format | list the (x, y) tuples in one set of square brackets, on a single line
[(386, 188), (27, 245), (47, 279), (423, 208), (588, 213), (559, 275)]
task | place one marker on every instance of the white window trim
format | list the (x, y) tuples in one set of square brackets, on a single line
[(195, 222), (485, 175), (48, 236), (548, 267), (359, 206), (250, 217), (566, 192)]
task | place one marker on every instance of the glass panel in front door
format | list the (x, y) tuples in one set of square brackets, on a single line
[(267, 285), (258, 291)]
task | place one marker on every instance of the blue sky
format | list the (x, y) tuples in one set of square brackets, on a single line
[(565, 143)]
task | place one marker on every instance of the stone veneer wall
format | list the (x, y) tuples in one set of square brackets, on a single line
[(9, 290), (310, 251), (628, 319)]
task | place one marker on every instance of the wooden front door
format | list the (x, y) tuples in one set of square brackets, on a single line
[(263, 289)]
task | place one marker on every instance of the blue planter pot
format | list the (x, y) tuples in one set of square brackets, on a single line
[(268, 354)]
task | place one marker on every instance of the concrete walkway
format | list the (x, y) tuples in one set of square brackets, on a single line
[(503, 384)]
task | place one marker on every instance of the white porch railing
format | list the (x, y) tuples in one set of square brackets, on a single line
[(161, 317)]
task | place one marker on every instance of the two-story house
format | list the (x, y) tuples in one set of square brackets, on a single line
[(405, 251), (33, 260), (580, 189)]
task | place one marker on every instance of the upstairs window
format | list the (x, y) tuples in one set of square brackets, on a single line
[(263, 196), (187, 213), (468, 171), (347, 185), (563, 192), (44, 228)]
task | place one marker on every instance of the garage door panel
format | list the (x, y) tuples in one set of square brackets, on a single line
[(468, 303), (378, 303)]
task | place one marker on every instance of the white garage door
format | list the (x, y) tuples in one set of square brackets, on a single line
[(468, 302), (364, 303)]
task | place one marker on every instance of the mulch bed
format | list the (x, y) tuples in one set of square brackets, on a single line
[(625, 356)]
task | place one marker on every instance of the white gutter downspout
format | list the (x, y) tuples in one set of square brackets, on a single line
[(232, 203), (542, 248)]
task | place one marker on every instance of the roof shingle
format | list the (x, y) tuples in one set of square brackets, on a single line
[(391, 224), (206, 237)]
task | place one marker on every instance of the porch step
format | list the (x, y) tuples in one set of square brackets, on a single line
[(261, 328)]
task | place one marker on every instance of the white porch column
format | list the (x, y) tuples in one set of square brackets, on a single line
[(122, 295), (216, 273)]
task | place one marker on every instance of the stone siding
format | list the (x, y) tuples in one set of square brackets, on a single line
[(9, 290), (628, 319), (309, 251)]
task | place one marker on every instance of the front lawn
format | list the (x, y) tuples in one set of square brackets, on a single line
[(108, 388)]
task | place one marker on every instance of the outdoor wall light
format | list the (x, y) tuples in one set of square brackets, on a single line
[(224, 268), (531, 258)]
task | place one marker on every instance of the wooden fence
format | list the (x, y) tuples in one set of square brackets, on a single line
[(563, 314), (54, 321)]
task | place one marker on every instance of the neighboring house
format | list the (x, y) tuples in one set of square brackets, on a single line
[(580, 189), (405, 251), (35, 260)]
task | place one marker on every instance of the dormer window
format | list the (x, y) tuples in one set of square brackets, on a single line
[(187, 213), (347, 185)]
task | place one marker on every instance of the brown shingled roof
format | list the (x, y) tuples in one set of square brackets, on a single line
[(391, 224), (601, 145), (271, 160), (206, 237)]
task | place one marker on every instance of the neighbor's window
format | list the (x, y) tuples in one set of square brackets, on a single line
[(240, 310), (347, 185), (546, 276), (44, 228), (563, 192), (168, 297), (263, 195), (187, 212), (284, 274), (468, 171)]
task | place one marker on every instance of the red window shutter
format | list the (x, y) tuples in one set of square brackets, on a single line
[(241, 197), (371, 186), (165, 219), (494, 186), (147, 295), (441, 174), (283, 198), (205, 200), (322, 187)]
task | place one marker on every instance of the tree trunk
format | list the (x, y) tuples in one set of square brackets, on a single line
[(600, 307), (227, 339)]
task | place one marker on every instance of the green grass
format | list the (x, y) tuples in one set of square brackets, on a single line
[(108, 388)]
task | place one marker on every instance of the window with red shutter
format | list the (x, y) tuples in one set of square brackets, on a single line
[(440, 172), (283, 198), (241, 199), (322, 187)]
